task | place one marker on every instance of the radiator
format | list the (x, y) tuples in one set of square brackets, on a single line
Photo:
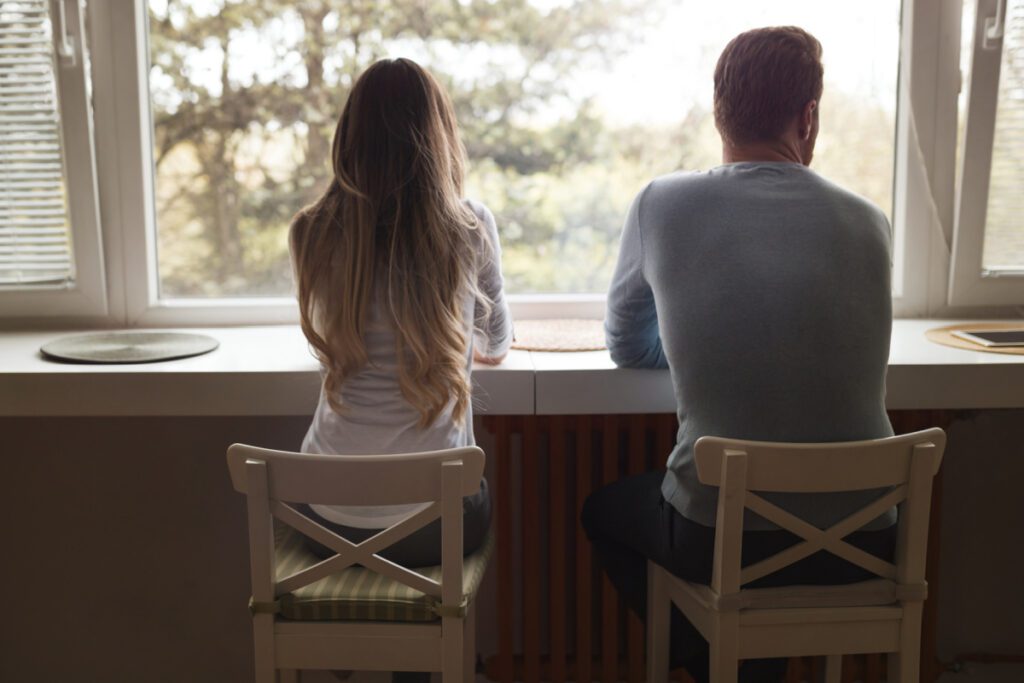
[(558, 617)]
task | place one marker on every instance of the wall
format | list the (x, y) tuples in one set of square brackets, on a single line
[(982, 558), (125, 554), (127, 558)]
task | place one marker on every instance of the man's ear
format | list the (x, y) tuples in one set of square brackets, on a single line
[(810, 111)]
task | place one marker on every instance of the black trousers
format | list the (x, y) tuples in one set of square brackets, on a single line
[(421, 548), (629, 522)]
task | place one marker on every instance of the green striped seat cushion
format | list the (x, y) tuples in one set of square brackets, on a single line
[(358, 594)]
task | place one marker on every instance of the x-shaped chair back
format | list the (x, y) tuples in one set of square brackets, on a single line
[(905, 464), (274, 480)]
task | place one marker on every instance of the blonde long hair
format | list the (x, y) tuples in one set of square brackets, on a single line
[(393, 216)]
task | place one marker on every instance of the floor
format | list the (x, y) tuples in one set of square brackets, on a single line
[(970, 673), (986, 673)]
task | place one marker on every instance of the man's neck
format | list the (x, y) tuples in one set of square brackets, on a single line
[(779, 151)]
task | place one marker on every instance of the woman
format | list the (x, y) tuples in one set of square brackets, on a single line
[(397, 275)]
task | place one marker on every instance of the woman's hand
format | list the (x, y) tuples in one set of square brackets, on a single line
[(488, 360)]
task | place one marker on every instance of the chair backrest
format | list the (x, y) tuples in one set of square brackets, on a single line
[(272, 480), (905, 463)]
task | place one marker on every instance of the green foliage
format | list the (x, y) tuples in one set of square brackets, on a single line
[(246, 96), (239, 149)]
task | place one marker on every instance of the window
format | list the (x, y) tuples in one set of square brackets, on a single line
[(49, 243), (988, 255), (567, 110), (217, 117)]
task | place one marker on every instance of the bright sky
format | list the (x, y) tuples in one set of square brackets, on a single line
[(672, 68), (657, 78)]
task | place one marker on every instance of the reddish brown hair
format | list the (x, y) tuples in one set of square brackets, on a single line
[(763, 79)]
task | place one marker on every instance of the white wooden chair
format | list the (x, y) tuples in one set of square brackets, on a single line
[(882, 615), (272, 480)]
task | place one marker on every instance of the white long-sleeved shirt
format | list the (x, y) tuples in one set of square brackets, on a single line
[(377, 418)]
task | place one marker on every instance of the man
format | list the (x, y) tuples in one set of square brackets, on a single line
[(765, 289)]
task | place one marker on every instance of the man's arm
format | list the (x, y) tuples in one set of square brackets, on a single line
[(631, 320)]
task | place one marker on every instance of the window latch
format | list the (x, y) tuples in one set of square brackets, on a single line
[(66, 51), (992, 38)]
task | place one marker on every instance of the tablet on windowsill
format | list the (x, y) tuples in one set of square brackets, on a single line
[(992, 338)]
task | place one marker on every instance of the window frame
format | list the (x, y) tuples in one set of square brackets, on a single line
[(924, 180), (968, 282), (87, 295), (929, 85)]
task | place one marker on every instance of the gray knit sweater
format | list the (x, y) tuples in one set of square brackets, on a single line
[(765, 289)]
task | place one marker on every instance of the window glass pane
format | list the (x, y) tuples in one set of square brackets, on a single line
[(35, 244), (1004, 230), (567, 108)]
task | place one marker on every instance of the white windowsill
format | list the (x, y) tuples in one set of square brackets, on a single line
[(269, 371)]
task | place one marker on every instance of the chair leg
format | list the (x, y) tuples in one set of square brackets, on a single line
[(905, 664), (659, 607), (724, 646), (469, 645), (904, 667), (452, 649), (833, 668), (263, 642)]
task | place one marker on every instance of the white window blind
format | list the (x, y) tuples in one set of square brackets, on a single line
[(35, 240)]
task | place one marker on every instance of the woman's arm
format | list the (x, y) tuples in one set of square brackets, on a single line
[(492, 329)]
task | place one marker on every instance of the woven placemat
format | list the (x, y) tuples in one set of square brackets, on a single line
[(559, 334), (127, 347), (944, 336)]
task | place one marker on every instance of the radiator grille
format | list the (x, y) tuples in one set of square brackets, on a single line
[(559, 619)]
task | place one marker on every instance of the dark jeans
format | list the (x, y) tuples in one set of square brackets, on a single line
[(629, 522), (422, 548)]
